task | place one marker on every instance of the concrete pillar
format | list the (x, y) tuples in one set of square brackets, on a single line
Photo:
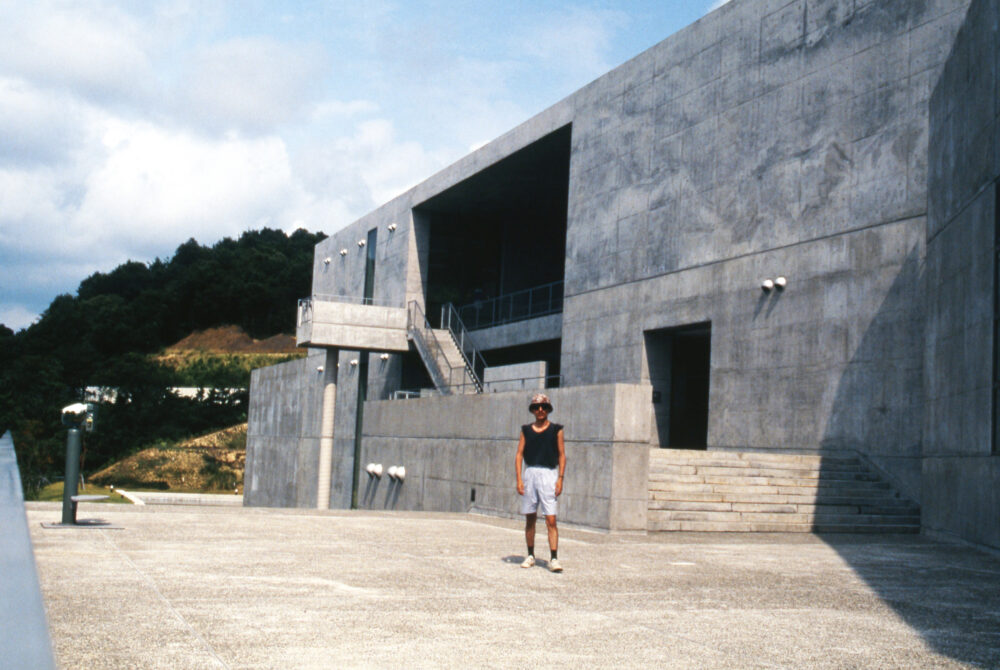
[(326, 428)]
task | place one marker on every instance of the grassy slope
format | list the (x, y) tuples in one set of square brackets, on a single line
[(209, 463)]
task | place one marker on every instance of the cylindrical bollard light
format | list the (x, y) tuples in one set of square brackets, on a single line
[(72, 474)]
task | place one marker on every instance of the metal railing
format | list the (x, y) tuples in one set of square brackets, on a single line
[(452, 322), (522, 383), (427, 344), (518, 306)]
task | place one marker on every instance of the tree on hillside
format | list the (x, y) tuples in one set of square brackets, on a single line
[(98, 337)]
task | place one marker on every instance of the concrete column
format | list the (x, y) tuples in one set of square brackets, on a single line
[(326, 428)]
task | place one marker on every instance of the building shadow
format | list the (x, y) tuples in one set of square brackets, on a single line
[(949, 594)]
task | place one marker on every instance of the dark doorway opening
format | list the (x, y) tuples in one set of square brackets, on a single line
[(678, 362)]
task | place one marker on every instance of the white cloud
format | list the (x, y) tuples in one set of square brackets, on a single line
[(576, 41), (93, 50), (252, 84), (16, 317)]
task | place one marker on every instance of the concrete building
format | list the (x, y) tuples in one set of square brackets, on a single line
[(771, 238)]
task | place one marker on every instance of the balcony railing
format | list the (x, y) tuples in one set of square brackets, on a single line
[(518, 306)]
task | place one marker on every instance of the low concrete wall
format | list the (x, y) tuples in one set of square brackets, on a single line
[(517, 377), (454, 445), (24, 631)]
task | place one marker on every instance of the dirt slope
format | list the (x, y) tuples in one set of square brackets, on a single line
[(232, 340), (212, 462)]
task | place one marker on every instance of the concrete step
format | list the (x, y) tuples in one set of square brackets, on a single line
[(755, 527), (884, 497), (780, 517), (759, 477), (782, 508), (737, 467), (773, 492), (697, 456)]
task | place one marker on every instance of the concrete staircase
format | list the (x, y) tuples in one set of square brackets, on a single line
[(771, 492), (451, 363)]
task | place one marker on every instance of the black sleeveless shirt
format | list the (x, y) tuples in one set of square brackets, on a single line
[(541, 449)]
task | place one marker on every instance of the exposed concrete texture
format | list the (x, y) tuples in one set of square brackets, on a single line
[(24, 631), (283, 433), (453, 445), (521, 332), (517, 377), (250, 588), (770, 138), (961, 472), (329, 323)]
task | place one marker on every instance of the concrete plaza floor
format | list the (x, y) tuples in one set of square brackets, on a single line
[(222, 587)]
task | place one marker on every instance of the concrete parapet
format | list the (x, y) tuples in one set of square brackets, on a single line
[(459, 453), (327, 323)]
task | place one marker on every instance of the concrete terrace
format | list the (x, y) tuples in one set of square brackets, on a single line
[(225, 587)]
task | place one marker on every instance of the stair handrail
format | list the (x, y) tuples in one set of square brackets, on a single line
[(475, 364), (426, 342)]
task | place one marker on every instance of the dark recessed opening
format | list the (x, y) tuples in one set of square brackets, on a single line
[(502, 230), (679, 364)]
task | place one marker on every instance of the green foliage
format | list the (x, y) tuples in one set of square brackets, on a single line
[(211, 370), (102, 337)]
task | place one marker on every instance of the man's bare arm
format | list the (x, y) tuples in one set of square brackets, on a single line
[(518, 460), (562, 461)]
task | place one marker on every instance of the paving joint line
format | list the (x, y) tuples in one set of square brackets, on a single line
[(149, 580)]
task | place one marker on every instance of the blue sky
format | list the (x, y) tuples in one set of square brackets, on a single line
[(127, 128)]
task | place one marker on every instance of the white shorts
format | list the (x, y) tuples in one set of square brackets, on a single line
[(539, 489)]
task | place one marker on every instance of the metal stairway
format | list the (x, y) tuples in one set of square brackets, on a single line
[(452, 359), (772, 492)]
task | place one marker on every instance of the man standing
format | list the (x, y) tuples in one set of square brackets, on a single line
[(542, 453)]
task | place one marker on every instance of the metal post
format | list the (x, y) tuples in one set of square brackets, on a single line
[(72, 475)]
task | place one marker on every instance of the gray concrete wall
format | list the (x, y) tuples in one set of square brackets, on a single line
[(283, 434), (517, 377), (451, 445), (768, 138), (961, 475)]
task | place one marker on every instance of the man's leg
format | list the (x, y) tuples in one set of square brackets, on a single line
[(530, 519), (550, 525), (529, 529)]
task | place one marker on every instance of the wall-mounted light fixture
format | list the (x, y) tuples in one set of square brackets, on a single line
[(326, 261), (384, 357), (392, 227), (343, 252), (374, 470), (361, 243), (319, 368), (354, 362), (776, 283)]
